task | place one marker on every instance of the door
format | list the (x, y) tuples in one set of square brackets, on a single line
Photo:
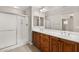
[(7, 30), (24, 23), (7, 38)]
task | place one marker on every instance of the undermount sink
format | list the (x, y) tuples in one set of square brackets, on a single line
[(74, 36), (57, 33)]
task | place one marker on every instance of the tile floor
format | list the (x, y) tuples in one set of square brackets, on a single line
[(25, 48)]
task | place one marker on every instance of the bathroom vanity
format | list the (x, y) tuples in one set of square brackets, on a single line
[(56, 32), (47, 40)]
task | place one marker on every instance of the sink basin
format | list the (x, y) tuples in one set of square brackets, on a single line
[(57, 32), (74, 36)]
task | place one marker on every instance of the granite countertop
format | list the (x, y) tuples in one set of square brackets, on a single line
[(73, 36)]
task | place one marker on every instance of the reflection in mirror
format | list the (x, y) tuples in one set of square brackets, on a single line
[(36, 21), (67, 24), (65, 18), (41, 21)]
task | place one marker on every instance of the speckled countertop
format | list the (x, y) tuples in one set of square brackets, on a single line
[(73, 36)]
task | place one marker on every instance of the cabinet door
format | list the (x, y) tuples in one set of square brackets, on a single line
[(34, 34), (54, 44), (7, 38), (36, 39), (68, 46), (77, 47), (45, 43), (33, 37), (24, 29)]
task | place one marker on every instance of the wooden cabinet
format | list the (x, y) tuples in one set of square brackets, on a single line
[(41, 41), (33, 37), (77, 47), (68, 46), (49, 43), (45, 43), (36, 39), (54, 44), (62, 45)]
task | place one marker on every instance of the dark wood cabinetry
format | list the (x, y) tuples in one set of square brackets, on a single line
[(54, 44), (36, 39), (67, 46), (62, 45), (49, 43), (45, 43), (33, 37), (77, 47), (41, 41)]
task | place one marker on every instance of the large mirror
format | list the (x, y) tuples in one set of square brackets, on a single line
[(36, 21), (64, 18)]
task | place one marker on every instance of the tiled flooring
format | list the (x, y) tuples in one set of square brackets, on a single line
[(25, 48)]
